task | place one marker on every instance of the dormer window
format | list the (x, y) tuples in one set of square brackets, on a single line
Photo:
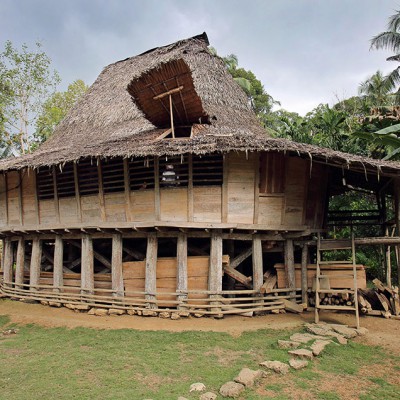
[(167, 97)]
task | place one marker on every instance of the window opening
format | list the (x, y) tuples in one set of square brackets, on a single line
[(208, 170), (141, 173), (174, 171), (113, 175), (45, 184), (65, 181), (88, 177)]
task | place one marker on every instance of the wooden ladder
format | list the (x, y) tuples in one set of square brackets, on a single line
[(325, 245)]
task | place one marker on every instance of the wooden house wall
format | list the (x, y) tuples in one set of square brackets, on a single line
[(300, 203)]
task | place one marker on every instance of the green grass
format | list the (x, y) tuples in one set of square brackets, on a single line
[(43, 363)]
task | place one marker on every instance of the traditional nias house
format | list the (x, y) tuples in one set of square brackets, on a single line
[(161, 190)]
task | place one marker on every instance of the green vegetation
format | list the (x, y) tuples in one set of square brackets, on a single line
[(127, 364)]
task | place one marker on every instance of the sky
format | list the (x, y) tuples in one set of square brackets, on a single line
[(305, 52)]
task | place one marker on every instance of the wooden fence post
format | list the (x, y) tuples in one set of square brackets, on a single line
[(290, 272), (182, 269), (258, 273), (215, 271), (150, 286)]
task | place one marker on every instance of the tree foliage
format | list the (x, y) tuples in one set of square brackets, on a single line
[(26, 80), (57, 107)]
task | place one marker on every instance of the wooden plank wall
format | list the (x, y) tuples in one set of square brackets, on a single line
[(29, 204), (3, 200), (13, 182)]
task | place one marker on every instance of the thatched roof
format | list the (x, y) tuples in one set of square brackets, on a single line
[(110, 120)]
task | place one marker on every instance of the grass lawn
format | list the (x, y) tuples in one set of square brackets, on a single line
[(59, 363)]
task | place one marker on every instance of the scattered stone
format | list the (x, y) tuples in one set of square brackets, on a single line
[(139, 312), (218, 316), (100, 312), (344, 330), (67, 305), (325, 330), (115, 311), (80, 307), (208, 396), (362, 331), (92, 311), (231, 389), (302, 353), (318, 346), (184, 313), (198, 315), (298, 364), (340, 339), (27, 301), (288, 344), (54, 304), (44, 302), (305, 337), (248, 377), (247, 314), (131, 312), (197, 387), (10, 332), (149, 313), (164, 314), (276, 311), (276, 366), (175, 316)]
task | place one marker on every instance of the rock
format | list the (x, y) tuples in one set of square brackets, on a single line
[(340, 339), (208, 396), (184, 313), (11, 331), (67, 305), (276, 366), (298, 364), (115, 311), (197, 387), (92, 311), (344, 330), (248, 377), (231, 389), (44, 302), (54, 304), (81, 307), (318, 346), (164, 314), (302, 353), (275, 311), (361, 331), (287, 344), (131, 312), (175, 316), (149, 313), (198, 315), (305, 337), (139, 312), (325, 330), (100, 312)]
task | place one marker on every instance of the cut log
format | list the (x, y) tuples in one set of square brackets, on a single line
[(292, 306), (269, 284)]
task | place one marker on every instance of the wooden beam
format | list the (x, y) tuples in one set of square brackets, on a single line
[(58, 263), (171, 114), (128, 211), (241, 257), (20, 263), (182, 273), (190, 189), (96, 255), (6, 196), (36, 199), (169, 92), (8, 262), (238, 276), (224, 193), (304, 284), (157, 205), (256, 189), (137, 255), (56, 202), (87, 266), (77, 194), (258, 273), (101, 191), (289, 265), (20, 204), (36, 261), (150, 286), (117, 278), (215, 271)]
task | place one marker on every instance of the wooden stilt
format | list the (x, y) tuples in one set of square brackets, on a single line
[(289, 258), (20, 263), (117, 279), (58, 278), (36, 260), (182, 273), (7, 262), (258, 273), (151, 269), (87, 266), (304, 283), (215, 271)]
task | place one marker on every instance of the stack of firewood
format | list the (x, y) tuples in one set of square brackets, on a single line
[(332, 299), (379, 300)]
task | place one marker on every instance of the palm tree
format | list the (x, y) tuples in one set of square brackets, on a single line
[(375, 91), (390, 40)]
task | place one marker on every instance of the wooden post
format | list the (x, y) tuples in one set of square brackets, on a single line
[(157, 205), (20, 263), (36, 259), (127, 189), (258, 273), (56, 201), (304, 283), (396, 189), (151, 269), (290, 272), (215, 271), (224, 193), (101, 190), (58, 277), (7, 262), (20, 204), (388, 268), (182, 269), (190, 189), (87, 265), (77, 194), (117, 278)]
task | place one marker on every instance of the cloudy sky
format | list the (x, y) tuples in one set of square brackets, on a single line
[(305, 52)]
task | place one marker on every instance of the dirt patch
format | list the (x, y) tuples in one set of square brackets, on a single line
[(383, 332), (224, 357)]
